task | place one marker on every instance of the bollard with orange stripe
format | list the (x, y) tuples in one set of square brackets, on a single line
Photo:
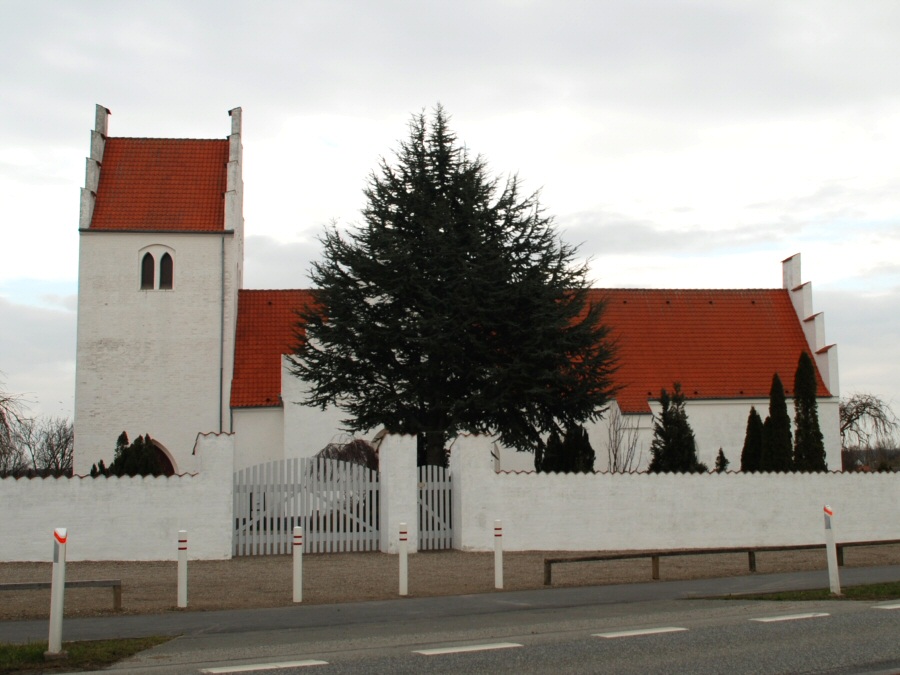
[(498, 554), (182, 568), (298, 564), (57, 594), (404, 561)]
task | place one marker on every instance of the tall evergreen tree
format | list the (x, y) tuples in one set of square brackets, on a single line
[(572, 453), (776, 445), (751, 454), (454, 307), (674, 447), (809, 447)]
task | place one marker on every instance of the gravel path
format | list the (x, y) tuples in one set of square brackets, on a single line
[(150, 587)]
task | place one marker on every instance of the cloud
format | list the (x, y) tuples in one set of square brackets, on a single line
[(38, 356)]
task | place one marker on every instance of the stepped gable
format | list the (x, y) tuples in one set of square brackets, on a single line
[(719, 344), (265, 331), (162, 184)]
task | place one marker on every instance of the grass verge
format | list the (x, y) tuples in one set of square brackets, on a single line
[(876, 592), (87, 655)]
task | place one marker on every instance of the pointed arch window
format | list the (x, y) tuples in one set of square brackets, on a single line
[(166, 271), (148, 269)]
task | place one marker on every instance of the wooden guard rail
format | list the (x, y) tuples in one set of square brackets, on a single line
[(115, 584), (751, 552)]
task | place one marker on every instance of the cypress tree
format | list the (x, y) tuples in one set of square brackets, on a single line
[(674, 447), (777, 446), (753, 439), (809, 447), (578, 450)]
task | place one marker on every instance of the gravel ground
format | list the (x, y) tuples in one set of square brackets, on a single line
[(265, 581)]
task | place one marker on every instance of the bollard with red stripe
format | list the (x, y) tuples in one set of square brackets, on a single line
[(831, 552), (182, 568), (404, 561), (298, 564), (57, 594), (498, 554)]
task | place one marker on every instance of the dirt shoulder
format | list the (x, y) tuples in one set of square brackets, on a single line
[(265, 581)]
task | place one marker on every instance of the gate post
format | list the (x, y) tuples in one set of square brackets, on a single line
[(399, 492)]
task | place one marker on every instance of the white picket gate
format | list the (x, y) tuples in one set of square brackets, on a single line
[(335, 502), (435, 526)]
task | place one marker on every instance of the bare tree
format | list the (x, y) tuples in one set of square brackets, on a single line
[(55, 450), (866, 421), (12, 459), (622, 435)]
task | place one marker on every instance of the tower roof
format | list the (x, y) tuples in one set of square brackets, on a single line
[(164, 184)]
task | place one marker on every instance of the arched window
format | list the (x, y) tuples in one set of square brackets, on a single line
[(147, 271), (166, 271)]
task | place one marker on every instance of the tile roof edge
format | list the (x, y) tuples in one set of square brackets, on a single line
[(165, 138), (131, 230)]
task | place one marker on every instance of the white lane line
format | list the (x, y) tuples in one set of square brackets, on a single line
[(640, 631), (895, 605), (791, 617), (468, 648), (257, 667)]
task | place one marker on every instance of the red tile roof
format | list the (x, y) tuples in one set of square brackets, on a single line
[(265, 331), (719, 344), (162, 184)]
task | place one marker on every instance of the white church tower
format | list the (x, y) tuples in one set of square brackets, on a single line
[(160, 266)]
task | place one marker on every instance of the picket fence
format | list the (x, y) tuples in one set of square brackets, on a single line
[(435, 525), (335, 502)]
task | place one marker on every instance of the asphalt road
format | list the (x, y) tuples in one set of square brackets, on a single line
[(554, 630)]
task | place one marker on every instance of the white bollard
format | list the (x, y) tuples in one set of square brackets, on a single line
[(298, 564), (831, 553), (182, 568), (404, 561), (57, 594), (498, 554)]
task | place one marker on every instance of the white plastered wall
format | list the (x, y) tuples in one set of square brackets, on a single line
[(587, 512), (124, 518), (152, 361), (259, 436)]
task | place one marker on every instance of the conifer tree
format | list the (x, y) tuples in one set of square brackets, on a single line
[(721, 462), (454, 307), (572, 453), (751, 454), (141, 458), (809, 446), (674, 447), (776, 454)]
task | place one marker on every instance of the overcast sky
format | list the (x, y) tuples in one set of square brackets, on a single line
[(688, 144)]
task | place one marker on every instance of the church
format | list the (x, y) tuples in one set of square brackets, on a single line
[(170, 344)]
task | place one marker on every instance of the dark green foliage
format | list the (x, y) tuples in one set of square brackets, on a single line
[(571, 454), (674, 447), (453, 308), (141, 458), (776, 454), (751, 454), (721, 462), (809, 447)]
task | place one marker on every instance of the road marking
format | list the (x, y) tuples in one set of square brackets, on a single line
[(640, 631), (256, 667), (895, 605), (468, 648), (791, 617)]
